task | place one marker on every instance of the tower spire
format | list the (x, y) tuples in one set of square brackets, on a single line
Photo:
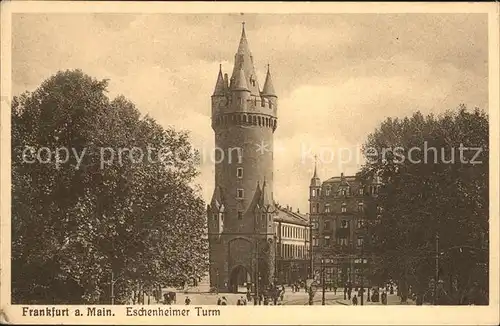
[(315, 175), (268, 84), (243, 60), (219, 85)]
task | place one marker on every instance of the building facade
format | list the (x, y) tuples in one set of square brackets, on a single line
[(340, 208), (241, 228), (293, 233)]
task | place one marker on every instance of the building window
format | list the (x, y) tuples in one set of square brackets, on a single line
[(379, 209), (360, 224), (344, 224), (315, 242), (317, 207), (327, 240), (315, 225), (239, 173), (240, 215), (360, 207), (344, 207), (328, 189), (343, 241), (327, 225), (360, 241), (343, 193), (239, 193), (327, 208), (313, 193), (313, 209), (361, 191)]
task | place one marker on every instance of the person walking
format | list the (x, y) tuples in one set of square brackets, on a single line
[(354, 300), (187, 301)]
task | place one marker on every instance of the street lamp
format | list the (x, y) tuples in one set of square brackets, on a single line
[(323, 281)]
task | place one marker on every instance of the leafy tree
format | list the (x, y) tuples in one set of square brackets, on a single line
[(75, 222), (427, 193)]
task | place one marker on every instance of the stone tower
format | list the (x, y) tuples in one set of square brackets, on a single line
[(241, 212)]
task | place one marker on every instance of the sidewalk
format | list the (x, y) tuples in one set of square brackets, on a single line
[(392, 300)]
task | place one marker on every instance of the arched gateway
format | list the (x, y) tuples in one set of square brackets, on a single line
[(239, 278)]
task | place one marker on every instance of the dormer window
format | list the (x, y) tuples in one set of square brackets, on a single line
[(239, 173), (344, 207)]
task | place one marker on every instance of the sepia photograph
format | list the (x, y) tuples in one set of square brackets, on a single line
[(169, 163)]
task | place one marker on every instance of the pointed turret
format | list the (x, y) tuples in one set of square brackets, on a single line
[(266, 197), (219, 86), (268, 85), (315, 181), (256, 197), (217, 201), (243, 46), (240, 81), (243, 60)]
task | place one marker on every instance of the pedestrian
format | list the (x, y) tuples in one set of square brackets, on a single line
[(349, 292), (223, 301), (335, 290), (355, 300), (187, 301), (249, 296), (384, 298), (219, 301), (239, 303)]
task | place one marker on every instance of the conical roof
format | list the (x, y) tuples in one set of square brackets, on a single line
[(219, 85), (240, 81), (266, 197), (243, 60), (268, 85)]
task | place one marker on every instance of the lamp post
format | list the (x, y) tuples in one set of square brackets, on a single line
[(437, 270), (362, 272), (323, 281)]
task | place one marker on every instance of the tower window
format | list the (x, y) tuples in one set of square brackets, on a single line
[(239, 193), (344, 208), (240, 215), (361, 191), (328, 191), (327, 208), (239, 173)]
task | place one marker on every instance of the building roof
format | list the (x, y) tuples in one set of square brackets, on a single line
[(268, 85), (244, 60), (219, 86), (240, 81), (287, 216)]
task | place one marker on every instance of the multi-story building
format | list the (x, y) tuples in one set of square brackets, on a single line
[(293, 259), (339, 210)]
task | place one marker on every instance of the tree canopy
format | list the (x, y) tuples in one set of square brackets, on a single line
[(434, 175), (75, 222)]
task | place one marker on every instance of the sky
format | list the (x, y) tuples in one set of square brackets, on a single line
[(337, 76)]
